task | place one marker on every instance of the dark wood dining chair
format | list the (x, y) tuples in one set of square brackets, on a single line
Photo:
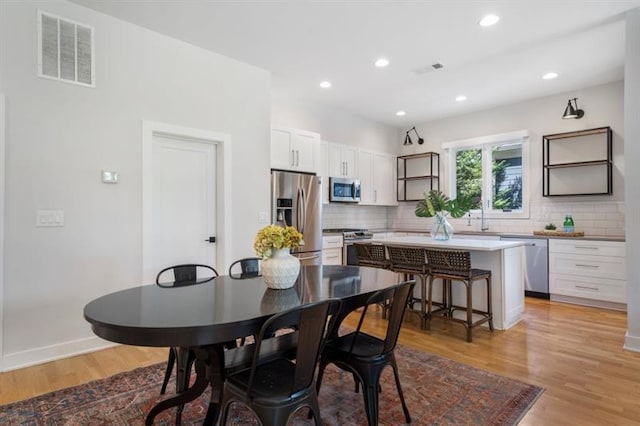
[(248, 267), (275, 386), (183, 275), (365, 356)]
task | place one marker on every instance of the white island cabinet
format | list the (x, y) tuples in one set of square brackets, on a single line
[(505, 261)]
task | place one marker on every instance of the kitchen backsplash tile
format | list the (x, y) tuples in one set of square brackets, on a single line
[(594, 218), (336, 215)]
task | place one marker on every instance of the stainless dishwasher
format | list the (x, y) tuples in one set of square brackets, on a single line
[(536, 266)]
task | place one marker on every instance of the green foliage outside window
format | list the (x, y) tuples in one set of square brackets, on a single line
[(506, 195)]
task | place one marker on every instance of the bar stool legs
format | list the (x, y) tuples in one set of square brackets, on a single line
[(448, 308)]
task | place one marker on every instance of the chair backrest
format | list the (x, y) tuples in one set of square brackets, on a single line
[(371, 255), (249, 267), (312, 327), (185, 274), (449, 261), (397, 297), (409, 259)]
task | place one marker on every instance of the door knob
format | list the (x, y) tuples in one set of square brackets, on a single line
[(211, 240)]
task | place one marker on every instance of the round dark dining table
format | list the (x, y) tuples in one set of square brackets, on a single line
[(200, 318)]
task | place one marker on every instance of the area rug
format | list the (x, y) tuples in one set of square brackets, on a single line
[(438, 391)]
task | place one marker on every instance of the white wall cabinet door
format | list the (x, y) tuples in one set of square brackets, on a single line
[(294, 149), (324, 170), (306, 148), (343, 160), (377, 174), (384, 179), (365, 169)]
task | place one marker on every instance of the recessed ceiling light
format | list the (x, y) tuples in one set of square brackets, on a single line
[(550, 75), (325, 84), (401, 113), (489, 20), (382, 62), (461, 98)]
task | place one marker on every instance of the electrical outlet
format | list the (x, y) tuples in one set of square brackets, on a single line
[(50, 218)]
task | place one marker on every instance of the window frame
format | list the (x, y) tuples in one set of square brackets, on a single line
[(485, 143)]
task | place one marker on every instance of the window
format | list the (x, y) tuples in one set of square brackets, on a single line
[(490, 169)]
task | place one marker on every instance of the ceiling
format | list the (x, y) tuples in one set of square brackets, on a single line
[(304, 42)]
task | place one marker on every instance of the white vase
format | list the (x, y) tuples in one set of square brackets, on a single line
[(441, 229), (281, 270)]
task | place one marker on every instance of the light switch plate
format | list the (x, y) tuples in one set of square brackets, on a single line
[(50, 218), (109, 176)]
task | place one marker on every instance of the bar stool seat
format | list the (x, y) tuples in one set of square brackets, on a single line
[(454, 265), (412, 261)]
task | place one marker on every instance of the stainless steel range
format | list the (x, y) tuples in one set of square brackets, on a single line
[(350, 236)]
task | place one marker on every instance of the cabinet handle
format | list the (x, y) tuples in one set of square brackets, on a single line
[(344, 169), (587, 288), (346, 165), (586, 247), (293, 156), (375, 195), (297, 157), (334, 256), (580, 265)]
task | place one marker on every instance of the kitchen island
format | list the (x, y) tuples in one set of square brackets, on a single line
[(505, 260)]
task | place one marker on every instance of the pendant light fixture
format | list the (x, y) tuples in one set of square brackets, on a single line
[(571, 111), (407, 138)]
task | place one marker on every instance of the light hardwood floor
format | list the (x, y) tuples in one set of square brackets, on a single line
[(574, 352)]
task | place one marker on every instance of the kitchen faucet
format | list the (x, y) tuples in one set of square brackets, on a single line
[(484, 226)]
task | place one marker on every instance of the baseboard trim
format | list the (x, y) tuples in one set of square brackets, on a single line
[(604, 304), (44, 354), (631, 343)]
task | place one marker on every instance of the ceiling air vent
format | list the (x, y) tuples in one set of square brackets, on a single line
[(65, 50)]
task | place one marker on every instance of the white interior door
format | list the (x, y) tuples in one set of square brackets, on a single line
[(183, 192)]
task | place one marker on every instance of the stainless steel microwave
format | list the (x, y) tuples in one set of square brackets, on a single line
[(344, 190)]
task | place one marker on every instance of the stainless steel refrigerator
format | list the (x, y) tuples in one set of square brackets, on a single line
[(296, 200)]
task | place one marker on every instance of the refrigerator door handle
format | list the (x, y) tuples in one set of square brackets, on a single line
[(315, 256), (302, 209)]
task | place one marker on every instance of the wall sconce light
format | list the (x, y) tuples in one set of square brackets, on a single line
[(407, 139), (571, 112)]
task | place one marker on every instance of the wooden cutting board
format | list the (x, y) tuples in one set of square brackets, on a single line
[(557, 233)]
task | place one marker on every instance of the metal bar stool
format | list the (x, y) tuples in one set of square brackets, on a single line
[(373, 255), (450, 265), (412, 261)]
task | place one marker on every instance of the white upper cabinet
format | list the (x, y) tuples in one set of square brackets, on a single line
[(384, 179), (377, 173), (365, 165), (294, 149), (324, 170), (343, 160)]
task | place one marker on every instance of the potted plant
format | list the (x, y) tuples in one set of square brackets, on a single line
[(436, 203), (274, 243)]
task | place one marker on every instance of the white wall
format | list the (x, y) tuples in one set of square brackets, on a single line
[(632, 156), (59, 137), (596, 215), (334, 125)]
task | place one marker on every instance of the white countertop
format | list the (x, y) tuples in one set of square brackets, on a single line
[(453, 244)]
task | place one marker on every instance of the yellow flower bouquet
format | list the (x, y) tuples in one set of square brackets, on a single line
[(274, 237)]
